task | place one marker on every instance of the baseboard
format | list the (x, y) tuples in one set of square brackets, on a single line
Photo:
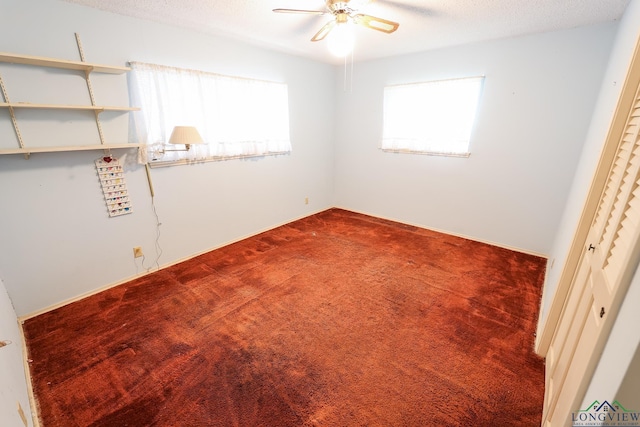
[(541, 319), (33, 403), (120, 282), (540, 323), (25, 317), (474, 239)]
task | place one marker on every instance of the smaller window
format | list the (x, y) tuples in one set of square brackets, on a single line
[(431, 117)]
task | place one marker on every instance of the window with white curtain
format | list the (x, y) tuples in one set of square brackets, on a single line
[(431, 117), (236, 117)]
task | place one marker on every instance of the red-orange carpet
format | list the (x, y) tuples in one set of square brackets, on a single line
[(338, 319)]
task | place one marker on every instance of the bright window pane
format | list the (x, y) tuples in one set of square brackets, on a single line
[(432, 117), (236, 117)]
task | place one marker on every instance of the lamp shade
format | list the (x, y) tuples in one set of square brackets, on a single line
[(186, 135)]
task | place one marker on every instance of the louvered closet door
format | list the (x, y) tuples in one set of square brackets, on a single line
[(608, 260)]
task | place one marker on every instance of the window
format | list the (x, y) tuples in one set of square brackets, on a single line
[(236, 117), (431, 117)]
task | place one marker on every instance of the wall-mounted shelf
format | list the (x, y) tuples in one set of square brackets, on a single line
[(41, 61), (28, 151), (98, 108), (87, 68)]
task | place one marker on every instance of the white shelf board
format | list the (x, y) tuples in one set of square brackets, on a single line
[(31, 150), (60, 63), (66, 107)]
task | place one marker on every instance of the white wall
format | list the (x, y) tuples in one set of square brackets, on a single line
[(538, 97), (13, 385), (57, 241), (610, 88)]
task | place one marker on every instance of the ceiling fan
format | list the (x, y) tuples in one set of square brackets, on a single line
[(343, 14)]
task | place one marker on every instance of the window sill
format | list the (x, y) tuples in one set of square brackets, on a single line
[(426, 153), (164, 163)]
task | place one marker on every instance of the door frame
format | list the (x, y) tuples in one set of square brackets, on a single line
[(598, 182)]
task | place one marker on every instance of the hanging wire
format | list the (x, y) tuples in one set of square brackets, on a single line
[(351, 83), (344, 78), (157, 243), (348, 72), (158, 248)]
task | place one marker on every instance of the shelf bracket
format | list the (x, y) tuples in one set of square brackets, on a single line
[(12, 114), (87, 77)]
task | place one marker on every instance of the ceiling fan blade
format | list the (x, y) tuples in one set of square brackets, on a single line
[(324, 31), (306, 12), (376, 23)]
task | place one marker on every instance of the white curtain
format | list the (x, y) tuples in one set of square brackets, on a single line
[(236, 117), (432, 117)]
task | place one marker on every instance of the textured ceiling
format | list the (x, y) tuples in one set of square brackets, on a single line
[(424, 24)]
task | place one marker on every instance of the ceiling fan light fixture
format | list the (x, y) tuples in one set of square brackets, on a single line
[(341, 40), (339, 31)]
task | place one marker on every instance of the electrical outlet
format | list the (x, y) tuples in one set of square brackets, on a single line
[(306, 200), (137, 252)]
